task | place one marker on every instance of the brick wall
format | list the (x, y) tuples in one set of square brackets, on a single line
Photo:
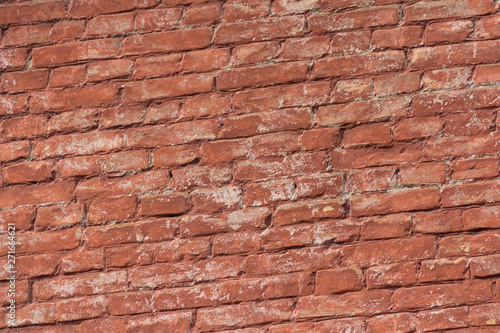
[(251, 166)]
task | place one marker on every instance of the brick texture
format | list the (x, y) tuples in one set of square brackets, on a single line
[(250, 166)]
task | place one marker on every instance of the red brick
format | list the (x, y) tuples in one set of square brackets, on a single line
[(81, 308), (433, 10), (24, 127), (147, 231), (68, 76), (130, 303), (397, 84), (234, 316), (305, 48), (176, 155), (469, 123), (228, 197), (166, 204), (235, 10), (78, 144), (126, 161), (167, 87), (467, 245), (457, 146), (475, 168), (249, 54), (355, 325), (321, 184), (262, 76), (182, 249), (294, 213), (438, 222), (59, 216), (14, 104), (389, 226), (32, 242), (389, 251), (34, 313), (423, 173), (202, 13), (122, 116), (225, 150), (182, 298), (27, 12), (487, 27), (247, 219), (369, 63), (485, 314), (200, 176), (309, 259), (261, 194), (349, 90), (454, 55), (320, 138), (170, 41), (356, 19), (109, 324), (236, 243), (172, 321), (452, 78), (451, 32), (166, 111), (111, 24), (383, 203), (276, 144), (205, 60), (36, 194), (131, 184), (256, 100), (258, 123), (22, 81), (308, 94), (393, 275), (90, 8), (363, 111), (259, 30), (397, 38), (206, 105), (442, 270), (485, 266), (486, 74), (425, 297), (284, 7), (442, 319), (417, 127), (79, 166), (292, 165), (338, 280), (345, 43), (472, 193), (397, 322), (13, 58), (82, 261), (37, 265), (22, 217), (363, 157), (241, 290), (103, 210), (482, 217), (72, 121), (351, 304), (129, 255), (371, 179), (64, 30), (60, 54), (158, 19), (71, 98), (218, 268), (367, 134), (157, 66), (21, 296), (109, 69), (295, 284), (27, 172), (25, 35)]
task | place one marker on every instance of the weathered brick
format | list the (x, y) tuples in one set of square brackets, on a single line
[(110, 24), (432, 10), (27, 12), (450, 31), (90, 8)]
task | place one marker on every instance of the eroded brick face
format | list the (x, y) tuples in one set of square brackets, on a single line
[(250, 166)]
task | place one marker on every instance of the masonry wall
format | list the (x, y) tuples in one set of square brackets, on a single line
[(250, 166)]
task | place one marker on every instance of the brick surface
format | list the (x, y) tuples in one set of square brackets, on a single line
[(250, 166)]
